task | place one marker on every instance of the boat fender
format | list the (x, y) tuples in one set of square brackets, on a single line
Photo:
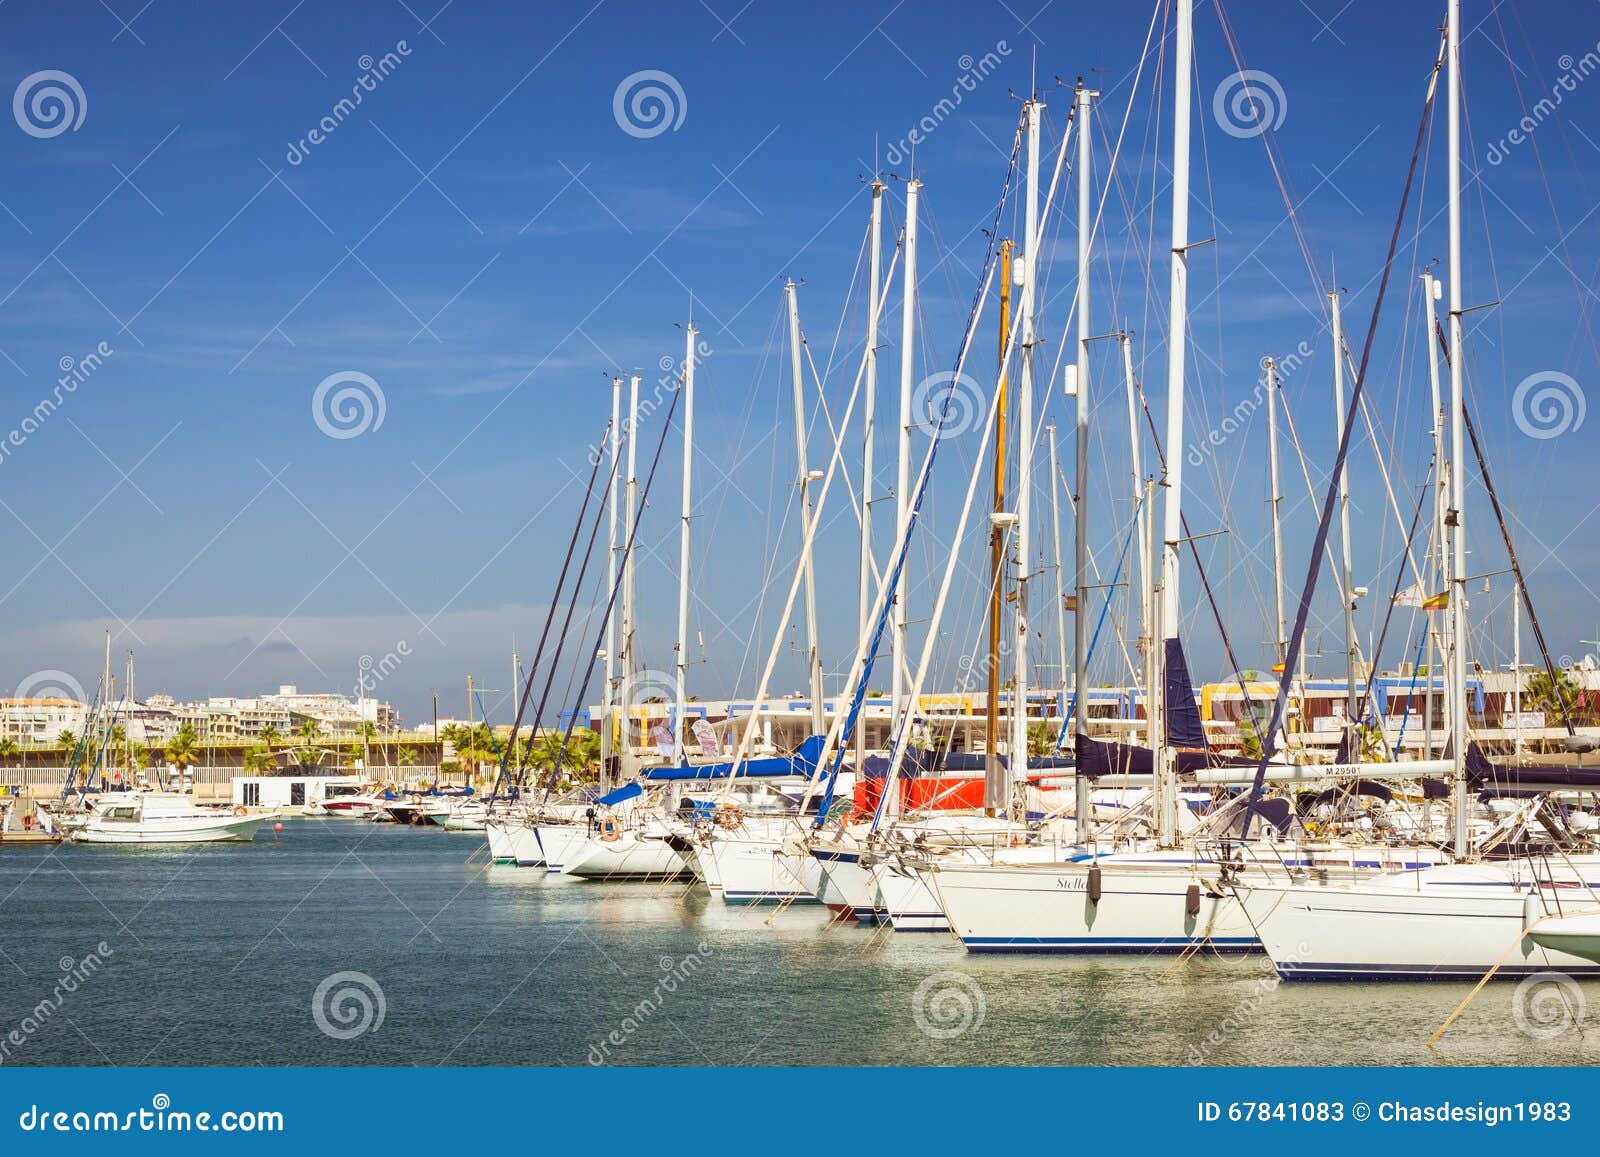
[(1191, 900), (1094, 885), (241, 810), (1532, 909)]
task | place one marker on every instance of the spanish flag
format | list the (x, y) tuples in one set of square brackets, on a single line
[(1436, 602), (1277, 668)]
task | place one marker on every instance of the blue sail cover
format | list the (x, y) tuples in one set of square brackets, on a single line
[(626, 792), (1184, 728), (802, 763)]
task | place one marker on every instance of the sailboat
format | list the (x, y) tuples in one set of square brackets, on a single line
[(1487, 912)]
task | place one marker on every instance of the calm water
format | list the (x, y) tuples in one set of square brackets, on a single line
[(218, 951)]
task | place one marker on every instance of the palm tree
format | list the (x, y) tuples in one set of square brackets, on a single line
[(310, 731), (258, 760), (181, 749), (1540, 693), (67, 739), (8, 748), (1249, 739), (1041, 740), (269, 736)]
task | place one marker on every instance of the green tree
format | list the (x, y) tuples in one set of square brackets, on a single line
[(1249, 739), (1541, 693), (270, 735), (181, 748), (67, 739)]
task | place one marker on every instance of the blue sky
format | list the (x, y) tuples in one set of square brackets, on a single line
[(483, 239)]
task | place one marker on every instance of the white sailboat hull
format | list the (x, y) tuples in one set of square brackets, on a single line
[(757, 869), (630, 856), (843, 884), (553, 845), (910, 903), (1450, 922), (1046, 908)]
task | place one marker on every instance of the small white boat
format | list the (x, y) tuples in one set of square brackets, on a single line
[(163, 818), (465, 816)]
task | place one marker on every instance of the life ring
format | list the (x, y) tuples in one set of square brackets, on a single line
[(27, 822), (609, 831), (241, 810)]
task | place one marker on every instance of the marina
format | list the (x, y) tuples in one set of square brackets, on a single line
[(986, 665), (497, 965)]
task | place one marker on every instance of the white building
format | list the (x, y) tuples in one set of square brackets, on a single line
[(37, 722)]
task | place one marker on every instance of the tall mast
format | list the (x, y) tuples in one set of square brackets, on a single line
[(1458, 481), (1017, 762), (1352, 700), (609, 698), (1141, 503), (993, 772), (1177, 340), (1280, 642), (1061, 574), (679, 725), (1432, 290), (813, 654), (902, 490), (1080, 621), (630, 518), (869, 430)]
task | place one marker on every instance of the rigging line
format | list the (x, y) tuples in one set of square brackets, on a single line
[(1579, 288), (1297, 637), (550, 614), (616, 587), (865, 658), (1511, 552), (1070, 712), (1399, 577), (1194, 552), (566, 624), (1094, 566)]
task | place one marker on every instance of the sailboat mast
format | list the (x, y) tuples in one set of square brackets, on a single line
[(902, 490), (609, 697), (1458, 481), (678, 721), (630, 519), (1280, 642), (993, 772), (1352, 701), (1141, 503), (1055, 535), (1080, 621), (813, 654), (869, 429), (1017, 763), (1177, 341), (1432, 290)]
